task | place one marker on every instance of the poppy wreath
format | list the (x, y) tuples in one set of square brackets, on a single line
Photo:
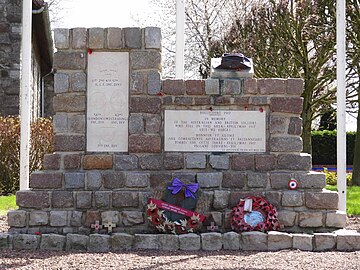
[(269, 213)]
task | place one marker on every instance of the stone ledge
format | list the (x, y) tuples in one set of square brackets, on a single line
[(342, 240)]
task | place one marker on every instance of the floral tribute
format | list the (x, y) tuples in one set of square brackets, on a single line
[(174, 215), (260, 216)]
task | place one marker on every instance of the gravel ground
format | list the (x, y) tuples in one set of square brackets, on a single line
[(285, 259)]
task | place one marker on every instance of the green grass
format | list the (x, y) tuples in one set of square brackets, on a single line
[(352, 199), (7, 203)]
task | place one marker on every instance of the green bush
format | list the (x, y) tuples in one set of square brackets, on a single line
[(331, 178), (41, 142)]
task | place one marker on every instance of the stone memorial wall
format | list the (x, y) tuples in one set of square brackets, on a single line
[(122, 134)]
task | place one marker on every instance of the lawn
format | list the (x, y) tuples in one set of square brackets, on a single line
[(7, 203), (352, 199)]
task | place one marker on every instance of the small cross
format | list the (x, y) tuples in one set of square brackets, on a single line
[(212, 227), (96, 226), (109, 226)]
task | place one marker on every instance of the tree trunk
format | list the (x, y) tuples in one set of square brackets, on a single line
[(306, 134), (356, 161)]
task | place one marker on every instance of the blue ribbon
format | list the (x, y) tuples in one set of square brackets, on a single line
[(190, 189)]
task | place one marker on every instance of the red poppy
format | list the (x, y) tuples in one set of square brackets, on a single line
[(192, 223), (156, 220), (152, 212)]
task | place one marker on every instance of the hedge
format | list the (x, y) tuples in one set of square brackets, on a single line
[(324, 147)]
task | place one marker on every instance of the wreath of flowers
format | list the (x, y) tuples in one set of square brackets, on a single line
[(157, 217), (269, 213)]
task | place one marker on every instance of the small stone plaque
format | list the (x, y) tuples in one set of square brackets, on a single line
[(108, 101), (215, 131)]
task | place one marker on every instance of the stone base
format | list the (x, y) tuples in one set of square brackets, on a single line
[(344, 240)]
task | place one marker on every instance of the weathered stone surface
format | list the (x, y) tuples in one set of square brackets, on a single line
[(79, 38), (78, 82), (295, 126), (271, 86), (62, 199), (253, 241), (72, 162), (173, 161), (52, 161), (296, 162), (295, 86), (183, 100), (303, 242), (221, 199), (211, 241), (265, 162), (110, 216), (259, 100), (101, 162), (102, 199), (152, 123), (4, 241), (231, 87), (152, 38), (74, 180), (76, 123), (61, 83), (202, 101), (145, 60), (168, 242), (61, 38), (311, 219), (136, 124), (325, 199), (250, 86), (209, 180), (38, 218), (69, 60), (212, 87), (32, 199), (132, 37), (130, 218), (137, 82), (58, 218), (52, 242), (173, 87), (114, 180), (75, 218), (257, 180), (286, 104), (91, 217), (16, 218), (67, 143), (93, 180), (69, 103), (287, 218), (292, 198), (46, 180), (286, 144), (313, 180), (195, 161), (279, 241), (126, 162), (121, 241), (234, 179), (195, 87), (151, 162), (243, 101), (189, 242), (347, 240), (159, 180), (243, 162), (144, 143), (278, 124), (25, 241), (135, 179), (223, 100), (279, 180), (324, 241), (219, 161), (99, 243), (77, 242), (125, 199), (146, 241), (96, 38), (274, 197), (231, 241), (336, 219), (83, 199), (114, 38)]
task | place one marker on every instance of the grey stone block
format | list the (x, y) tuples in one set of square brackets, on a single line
[(231, 87), (17, 218), (25, 241), (212, 87), (324, 241), (74, 180), (173, 161), (52, 242), (152, 38), (221, 199), (287, 218), (336, 219), (83, 199), (279, 180), (311, 180), (77, 242), (96, 38), (58, 218), (79, 38), (234, 179), (76, 123), (99, 243), (325, 199), (114, 180), (75, 218), (286, 144), (303, 242), (110, 216), (209, 180), (296, 162), (130, 218), (231, 241), (292, 198), (125, 199), (137, 82), (78, 82), (279, 241), (195, 161), (61, 38), (38, 218), (61, 83), (121, 241), (211, 241), (257, 180), (70, 60), (62, 199), (102, 199), (132, 37), (348, 240), (114, 38), (278, 124), (189, 242), (126, 162), (168, 242), (136, 124), (219, 162), (93, 180), (152, 123), (311, 219), (253, 241), (134, 179), (146, 241), (151, 162), (4, 241), (145, 60), (153, 83)]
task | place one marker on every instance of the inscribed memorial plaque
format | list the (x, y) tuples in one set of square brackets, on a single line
[(107, 101), (215, 131)]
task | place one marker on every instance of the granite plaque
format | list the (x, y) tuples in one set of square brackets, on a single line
[(108, 101), (215, 131)]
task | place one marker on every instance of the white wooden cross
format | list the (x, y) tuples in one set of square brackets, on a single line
[(109, 225)]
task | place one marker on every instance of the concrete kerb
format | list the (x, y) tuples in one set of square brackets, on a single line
[(341, 240)]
